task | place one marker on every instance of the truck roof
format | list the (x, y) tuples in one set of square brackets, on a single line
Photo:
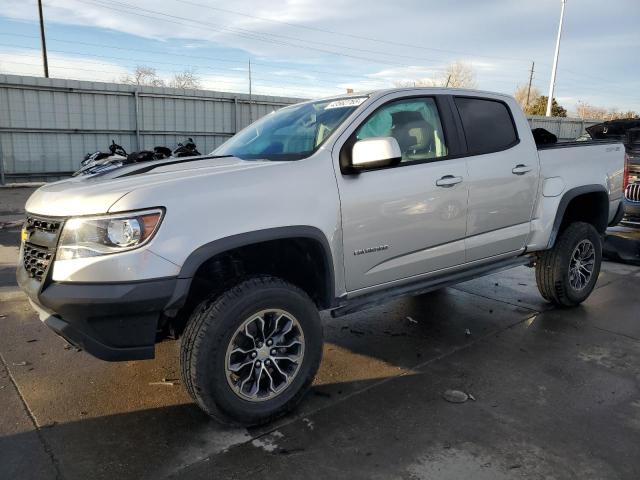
[(431, 90)]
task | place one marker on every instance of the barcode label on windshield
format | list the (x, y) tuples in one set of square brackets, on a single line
[(346, 102)]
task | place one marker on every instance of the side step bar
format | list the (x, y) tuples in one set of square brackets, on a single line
[(427, 285)]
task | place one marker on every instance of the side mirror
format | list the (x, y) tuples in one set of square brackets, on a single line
[(375, 152)]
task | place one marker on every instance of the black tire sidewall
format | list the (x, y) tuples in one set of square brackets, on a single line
[(210, 359), (576, 234)]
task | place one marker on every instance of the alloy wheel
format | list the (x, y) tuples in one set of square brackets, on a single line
[(264, 355), (581, 264)]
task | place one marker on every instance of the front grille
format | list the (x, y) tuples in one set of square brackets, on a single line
[(51, 226), (632, 192), (36, 260), (40, 245)]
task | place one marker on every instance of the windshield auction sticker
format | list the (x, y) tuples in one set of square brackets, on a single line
[(346, 102)]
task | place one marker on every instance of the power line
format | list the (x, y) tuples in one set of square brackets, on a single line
[(368, 79), (239, 30), (250, 95), (262, 84), (250, 35), (307, 92), (600, 79), (136, 62), (45, 63), (199, 57), (374, 83), (533, 64), (350, 35), (580, 75), (240, 79)]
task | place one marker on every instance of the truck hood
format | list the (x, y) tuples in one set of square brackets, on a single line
[(95, 194)]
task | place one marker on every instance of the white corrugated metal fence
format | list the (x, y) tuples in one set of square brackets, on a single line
[(564, 128), (48, 125)]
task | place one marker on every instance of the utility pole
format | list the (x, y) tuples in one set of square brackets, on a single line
[(555, 61), (250, 95), (45, 62), (448, 80), (533, 64)]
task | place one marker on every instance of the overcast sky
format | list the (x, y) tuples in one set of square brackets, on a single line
[(317, 48)]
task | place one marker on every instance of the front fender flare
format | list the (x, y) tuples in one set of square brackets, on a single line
[(216, 247)]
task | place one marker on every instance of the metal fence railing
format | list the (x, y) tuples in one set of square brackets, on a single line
[(48, 125), (563, 127)]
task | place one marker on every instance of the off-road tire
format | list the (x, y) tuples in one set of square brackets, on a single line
[(552, 266), (209, 332)]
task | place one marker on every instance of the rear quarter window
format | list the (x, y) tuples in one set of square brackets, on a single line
[(488, 125)]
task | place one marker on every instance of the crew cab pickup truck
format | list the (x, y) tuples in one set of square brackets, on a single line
[(337, 204)]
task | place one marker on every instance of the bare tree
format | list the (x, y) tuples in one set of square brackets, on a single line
[(459, 75), (629, 114), (143, 76), (421, 82), (587, 111), (591, 112), (521, 95), (455, 75), (185, 79)]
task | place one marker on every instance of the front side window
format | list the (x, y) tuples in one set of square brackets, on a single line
[(414, 123), (291, 133), (487, 124)]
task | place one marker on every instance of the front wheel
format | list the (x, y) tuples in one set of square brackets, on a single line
[(249, 354), (567, 274)]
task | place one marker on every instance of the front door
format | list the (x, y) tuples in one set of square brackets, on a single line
[(409, 219)]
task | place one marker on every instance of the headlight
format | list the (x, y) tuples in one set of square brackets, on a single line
[(94, 236)]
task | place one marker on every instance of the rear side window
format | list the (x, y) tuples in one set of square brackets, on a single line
[(487, 124)]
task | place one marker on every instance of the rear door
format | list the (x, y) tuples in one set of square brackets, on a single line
[(503, 177), (409, 219)]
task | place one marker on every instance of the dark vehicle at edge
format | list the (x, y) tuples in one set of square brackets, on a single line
[(627, 131)]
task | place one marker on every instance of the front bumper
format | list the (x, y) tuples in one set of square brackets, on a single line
[(111, 321)]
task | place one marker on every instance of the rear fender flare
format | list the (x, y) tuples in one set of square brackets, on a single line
[(564, 203)]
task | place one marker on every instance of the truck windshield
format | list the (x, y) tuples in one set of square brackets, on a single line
[(291, 133)]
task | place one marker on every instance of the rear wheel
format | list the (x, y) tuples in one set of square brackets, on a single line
[(567, 274), (249, 355)]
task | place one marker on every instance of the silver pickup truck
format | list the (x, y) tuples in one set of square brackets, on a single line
[(336, 204)]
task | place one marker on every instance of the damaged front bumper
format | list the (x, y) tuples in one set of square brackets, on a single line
[(111, 321)]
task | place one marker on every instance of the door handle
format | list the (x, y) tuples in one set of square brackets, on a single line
[(521, 169), (448, 181)]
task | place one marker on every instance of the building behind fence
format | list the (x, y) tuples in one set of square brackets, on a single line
[(48, 125)]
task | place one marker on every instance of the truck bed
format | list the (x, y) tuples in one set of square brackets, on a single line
[(585, 163), (575, 143)]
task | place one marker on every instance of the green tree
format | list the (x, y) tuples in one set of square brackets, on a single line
[(539, 107)]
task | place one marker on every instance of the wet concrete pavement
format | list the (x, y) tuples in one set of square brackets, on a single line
[(557, 395)]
